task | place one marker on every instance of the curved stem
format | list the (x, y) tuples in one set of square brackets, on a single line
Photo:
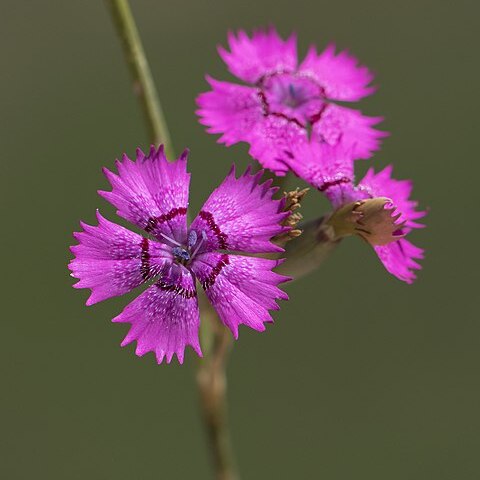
[(143, 85), (212, 387)]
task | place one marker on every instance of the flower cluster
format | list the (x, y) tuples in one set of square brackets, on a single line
[(288, 115), (286, 111)]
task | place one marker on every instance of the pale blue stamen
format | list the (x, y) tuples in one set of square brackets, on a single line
[(291, 90), (203, 239), (192, 238), (170, 239)]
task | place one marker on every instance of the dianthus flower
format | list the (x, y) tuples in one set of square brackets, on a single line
[(286, 103), (378, 208), (239, 216)]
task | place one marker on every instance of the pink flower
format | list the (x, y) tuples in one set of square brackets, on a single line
[(384, 223), (239, 216), (285, 102)]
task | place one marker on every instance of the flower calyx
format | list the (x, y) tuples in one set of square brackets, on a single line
[(373, 219)]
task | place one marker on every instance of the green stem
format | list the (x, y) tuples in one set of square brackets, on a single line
[(307, 252), (143, 85), (212, 387), (211, 375)]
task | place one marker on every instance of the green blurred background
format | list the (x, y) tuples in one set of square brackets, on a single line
[(361, 377)]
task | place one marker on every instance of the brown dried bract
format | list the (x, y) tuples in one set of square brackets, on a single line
[(292, 204)]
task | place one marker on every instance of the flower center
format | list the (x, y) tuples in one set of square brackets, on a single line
[(184, 254), (181, 254), (296, 98)]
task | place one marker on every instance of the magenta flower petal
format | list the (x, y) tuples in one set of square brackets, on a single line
[(348, 129), (252, 58), (242, 289), (230, 109), (321, 165), (273, 140), (111, 260), (240, 215), (152, 193), (328, 169), (165, 318), (238, 113), (339, 74), (399, 259)]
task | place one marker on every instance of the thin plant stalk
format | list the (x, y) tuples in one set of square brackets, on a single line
[(212, 387), (211, 373), (143, 84)]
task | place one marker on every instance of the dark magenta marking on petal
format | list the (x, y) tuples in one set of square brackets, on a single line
[(334, 183), (221, 237), (266, 106), (152, 222), (315, 118), (145, 258), (183, 292), (261, 81), (264, 102), (266, 110), (210, 280)]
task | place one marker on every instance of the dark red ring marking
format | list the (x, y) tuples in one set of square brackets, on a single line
[(266, 106), (266, 110), (221, 237), (334, 183), (153, 222), (183, 292), (145, 258), (212, 277), (315, 118)]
